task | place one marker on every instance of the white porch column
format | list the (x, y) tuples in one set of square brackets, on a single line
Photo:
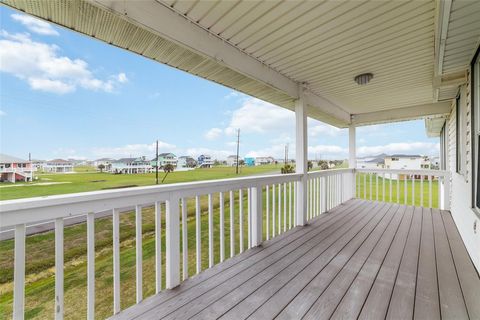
[(352, 156), (301, 157)]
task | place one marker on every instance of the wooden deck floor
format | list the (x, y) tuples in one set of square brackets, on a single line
[(368, 260)]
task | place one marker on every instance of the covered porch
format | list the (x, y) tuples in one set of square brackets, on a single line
[(361, 260), (340, 243)]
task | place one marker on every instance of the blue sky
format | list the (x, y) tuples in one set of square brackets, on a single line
[(66, 95)]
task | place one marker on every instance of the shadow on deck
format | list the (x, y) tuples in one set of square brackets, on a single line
[(363, 259)]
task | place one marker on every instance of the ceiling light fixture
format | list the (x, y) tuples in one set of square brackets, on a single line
[(364, 78)]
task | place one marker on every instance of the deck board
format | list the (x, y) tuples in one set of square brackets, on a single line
[(363, 259), (426, 300)]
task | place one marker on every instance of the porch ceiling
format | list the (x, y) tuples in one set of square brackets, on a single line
[(418, 51)]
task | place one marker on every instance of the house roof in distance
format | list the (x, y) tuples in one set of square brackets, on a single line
[(405, 156), (59, 161), (5, 158)]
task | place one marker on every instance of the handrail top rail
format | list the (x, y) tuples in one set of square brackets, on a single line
[(330, 171), (82, 197), (441, 173)]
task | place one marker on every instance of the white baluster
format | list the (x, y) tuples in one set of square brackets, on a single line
[(139, 253), (158, 246), (184, 240), (289, 205), (267, 227), (90, 266), (222, 228), (421, 191), (210, 231), (19, 273), (116, 260), (198, 232), (232, 224), (59, 268), (284, 207), (430, 191), (240, 212)]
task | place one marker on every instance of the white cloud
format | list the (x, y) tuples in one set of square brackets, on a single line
[(43, 68), (134, 150), (2, 113), (35, 25), (213, 133), (257, 116), (122, 77), (316, 128), (277, 151), (423, 148)]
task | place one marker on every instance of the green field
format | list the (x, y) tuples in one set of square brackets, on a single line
[(92, 181), (364, 189)]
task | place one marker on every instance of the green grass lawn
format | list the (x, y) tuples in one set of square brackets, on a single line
[(92, 181), (362, 189)]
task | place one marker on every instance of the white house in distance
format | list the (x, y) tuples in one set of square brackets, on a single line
[(106, 162), (164, 159), (371, 162), (205, 161), (264, 160), (131, 165), (186, 162), (406, 162), (232, 160), (58, 166), (14, 169)]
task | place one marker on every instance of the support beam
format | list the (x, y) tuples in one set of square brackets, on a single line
[(352, 157), (257, 216), (301, 150), (401, 114), (172, 245), (168, 24), (352, 151)]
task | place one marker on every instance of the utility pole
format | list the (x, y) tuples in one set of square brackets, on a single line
[(238, 149), (156, 167)]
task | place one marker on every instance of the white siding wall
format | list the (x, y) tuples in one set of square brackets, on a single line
[(461, 184)]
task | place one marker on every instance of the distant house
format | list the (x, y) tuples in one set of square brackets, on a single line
[(406, 162), (14, 169), (249, 161), (106, 162), (131, 165), (38, 164), (264, 160), (205, 161), (58, 166), (164, 159), (186, 162), (372, 162), (232, 160)]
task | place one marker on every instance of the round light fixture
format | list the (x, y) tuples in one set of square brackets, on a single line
[(364, 78)]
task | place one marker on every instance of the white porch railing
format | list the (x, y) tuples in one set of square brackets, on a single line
[(426, 188), (258, 208), (327, 189), (240, 213)]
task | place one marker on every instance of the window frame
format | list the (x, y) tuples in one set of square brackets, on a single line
[(475, 132)]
